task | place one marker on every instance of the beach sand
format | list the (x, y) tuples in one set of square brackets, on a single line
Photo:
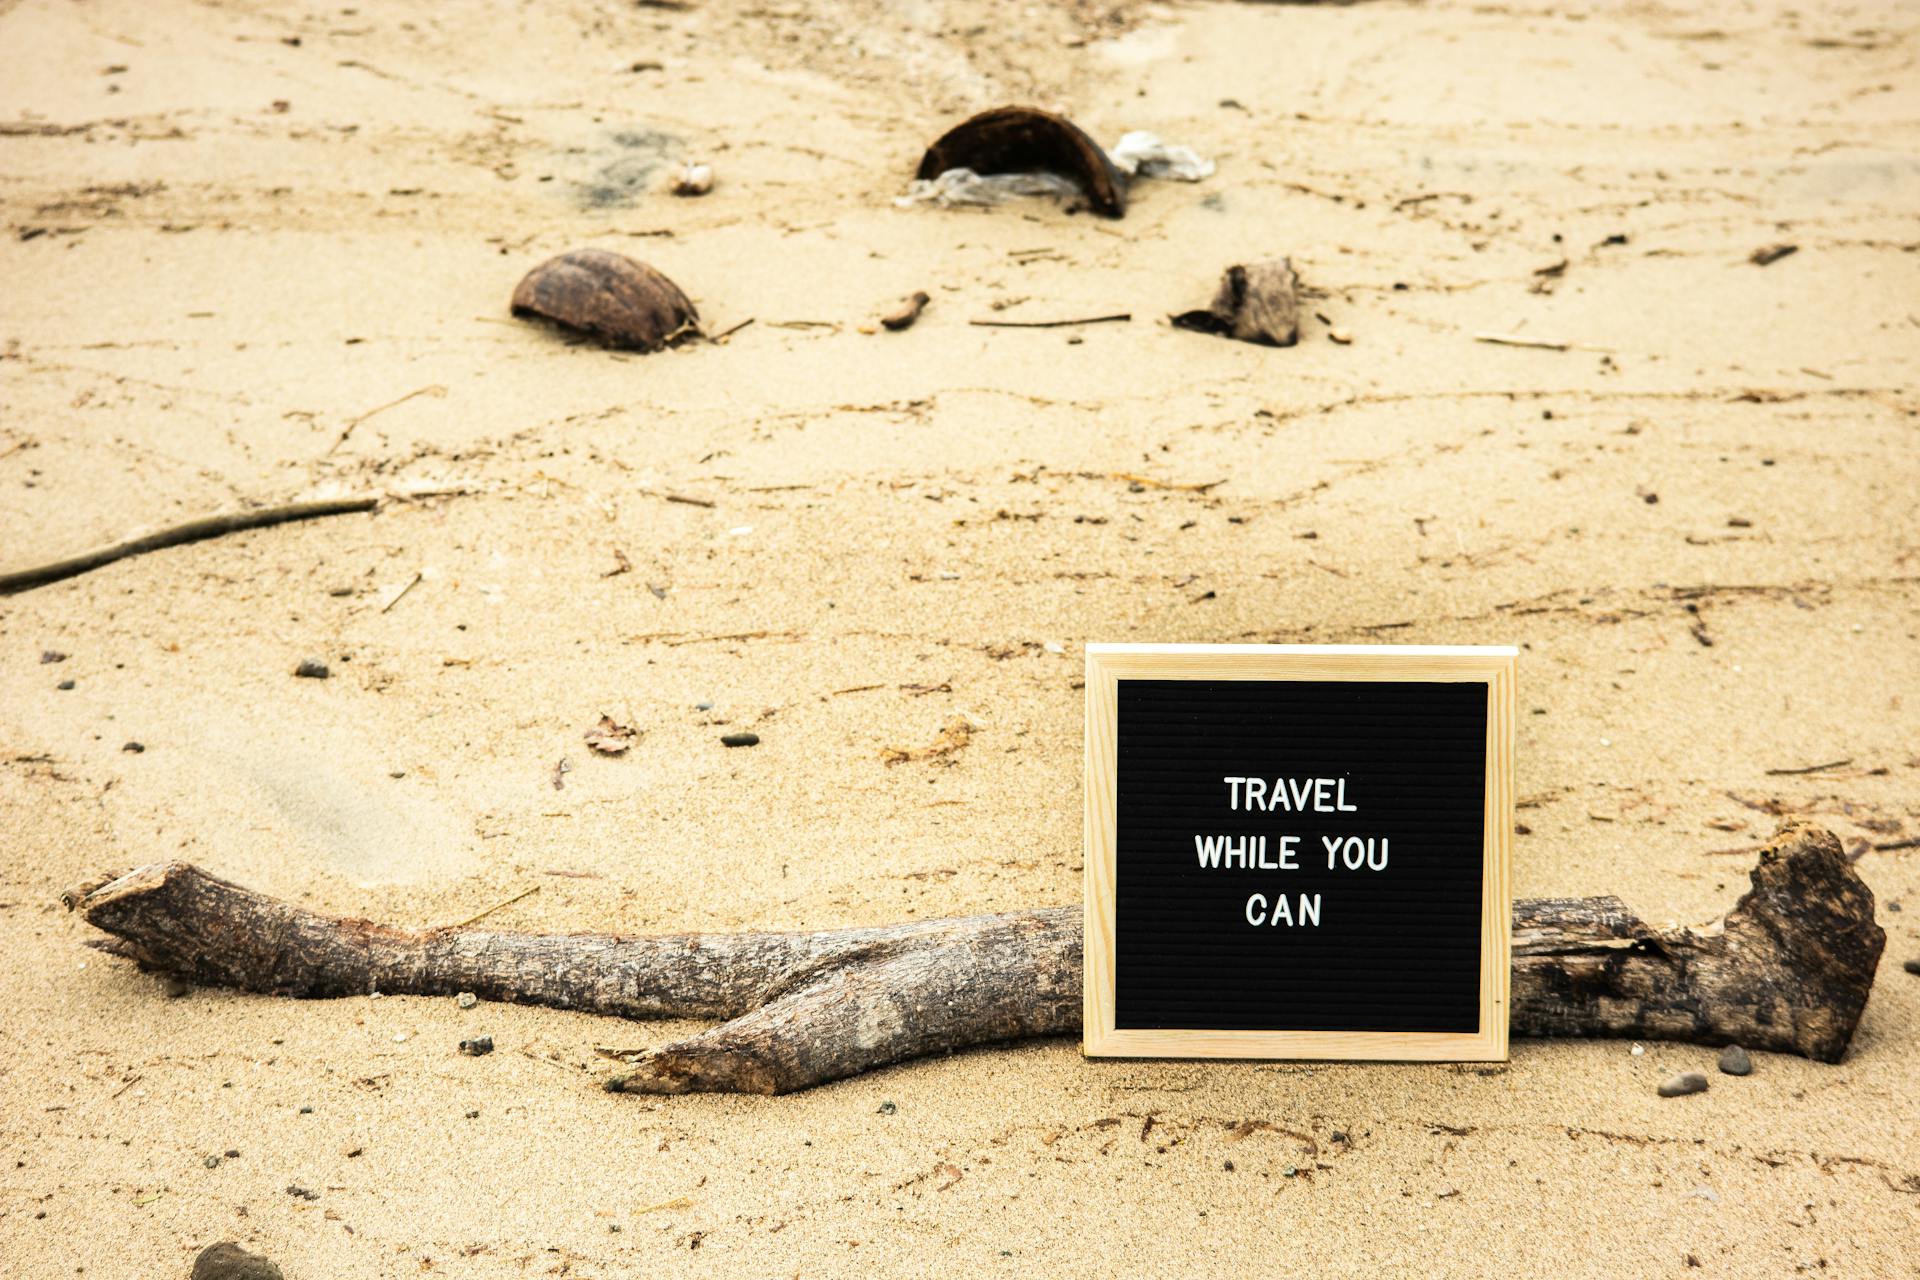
[(255, 253)]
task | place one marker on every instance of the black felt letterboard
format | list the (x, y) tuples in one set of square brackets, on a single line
[(1394, 950)]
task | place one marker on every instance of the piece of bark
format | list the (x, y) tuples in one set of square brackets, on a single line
[(1257, 303), (1788, 969), (903, 316), (611, 298), (1028, 140)]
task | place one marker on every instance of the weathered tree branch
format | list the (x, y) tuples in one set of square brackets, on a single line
[(178, 535), (1788, 969)]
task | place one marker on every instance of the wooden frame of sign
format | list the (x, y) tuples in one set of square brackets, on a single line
[(1428, 761)]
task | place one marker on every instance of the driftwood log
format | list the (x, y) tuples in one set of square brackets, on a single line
[(1788, 969)]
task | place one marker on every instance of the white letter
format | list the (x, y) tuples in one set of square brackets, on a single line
[(1280, 909), (1333, 846), (1300, 793), (1341, 803), (1309, 912), (1256, 792), (1260, 898), (1286, 853), (1265, 863), (1207, 849), (1321, 786), (1233, 791)]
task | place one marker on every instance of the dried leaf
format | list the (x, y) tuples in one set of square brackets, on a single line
[(957, 734), (610, 738)]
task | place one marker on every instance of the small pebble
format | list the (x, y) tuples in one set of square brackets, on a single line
[(233, 1153), (306, 1111), (466, 1000), (228, 1261), (1912, 966), (51, 655), (177, 987), (64, 685), (1735, 1061), (1683, 1084), (134, 747), (212, 1162), (473, 1115), (703, 706), (478, 1047), (312, 669), (739, 739), (296, 1190), (887, 1108)]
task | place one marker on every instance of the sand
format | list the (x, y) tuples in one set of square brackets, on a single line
[(236, 231)]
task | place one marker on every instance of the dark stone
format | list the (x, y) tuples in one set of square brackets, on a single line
[(312, 669), (228, 1261), (134, 748), (301, 1193), (1912, 966), (64, 685), (478, 1047), (177, 987), (739, 739), (1683, 1084), (52, 655), (1735, 1061)]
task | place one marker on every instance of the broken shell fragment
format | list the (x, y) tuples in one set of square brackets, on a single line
[(693, 180), (1258, 303), (1027, 140), (611, 298), (903, 316)]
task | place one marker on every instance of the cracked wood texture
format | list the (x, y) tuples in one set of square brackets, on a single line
[(1788, 969)]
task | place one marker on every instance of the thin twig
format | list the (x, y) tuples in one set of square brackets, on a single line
[(433, 390), (410, 584), (498, 906), (728, 333), (192, 531), (1812, 768), (1515, 340), (1049, 324)]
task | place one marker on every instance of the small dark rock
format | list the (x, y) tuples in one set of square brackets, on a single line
[(64, 685), (739, 739), (1683, 1084), (1735, 1061), (887, 1108), (233, 1153), (1912, 966), (312, 669), (478, 1047), (177, 987), (212, 1162), (51, 655), (306, 1111), (300, 1192), (228, 1261), (133, 748), (473, 1115)]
